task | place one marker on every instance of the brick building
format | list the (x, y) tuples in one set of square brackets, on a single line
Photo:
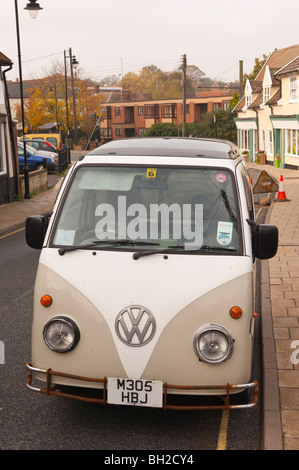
[(125, 116)]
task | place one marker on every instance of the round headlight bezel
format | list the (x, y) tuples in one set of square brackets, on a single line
[(67, 325), (221, 333)]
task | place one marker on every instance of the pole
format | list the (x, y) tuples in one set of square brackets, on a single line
[(241, 91), (56, 107), (215, 124), (26, 169), (66, 103), (184, 94), (74, 100)]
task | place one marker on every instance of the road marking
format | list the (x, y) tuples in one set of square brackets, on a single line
[(222, 438), (11, 233), (258, 213)]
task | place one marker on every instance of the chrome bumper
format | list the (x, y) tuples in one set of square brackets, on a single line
[(225, 391)]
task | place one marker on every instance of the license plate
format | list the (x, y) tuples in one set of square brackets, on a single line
[(135, 392)]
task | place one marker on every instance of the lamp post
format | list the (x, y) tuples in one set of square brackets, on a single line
[(74, 62), (66, 104), (33, 9)]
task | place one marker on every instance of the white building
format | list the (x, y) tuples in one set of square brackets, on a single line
[(268, 113), (8, 154)]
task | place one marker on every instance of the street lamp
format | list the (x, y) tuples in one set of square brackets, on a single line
[(33, 8)]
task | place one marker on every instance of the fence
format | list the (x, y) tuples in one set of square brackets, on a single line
[(64, 158)]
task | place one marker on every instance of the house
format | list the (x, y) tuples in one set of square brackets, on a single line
[(268, 113), (8, 156), (124, 114), (130, 116)]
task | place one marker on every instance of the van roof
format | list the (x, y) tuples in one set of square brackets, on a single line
[(170, 146)]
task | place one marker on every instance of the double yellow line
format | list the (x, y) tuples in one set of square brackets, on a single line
[(222, 437), (11, 233)]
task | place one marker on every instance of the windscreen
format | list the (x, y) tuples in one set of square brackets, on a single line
[(150, 208)]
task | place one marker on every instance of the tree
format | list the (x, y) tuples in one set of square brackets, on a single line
[(46, 103), (163, 129), (224, 127), (258, 64), (195, 74), (218, 124), (235, 100), (157, 84)]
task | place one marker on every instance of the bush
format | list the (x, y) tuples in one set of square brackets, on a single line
[(162, 129), (225, 127)]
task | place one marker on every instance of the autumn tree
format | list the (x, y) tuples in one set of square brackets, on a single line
[(258, 64), (156, 84), (46, 102)]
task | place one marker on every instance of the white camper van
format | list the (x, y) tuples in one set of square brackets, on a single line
[(145, 284)]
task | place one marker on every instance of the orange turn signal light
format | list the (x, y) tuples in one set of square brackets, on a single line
[(46, 300), (235, 312)]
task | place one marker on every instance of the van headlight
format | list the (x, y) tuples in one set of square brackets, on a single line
[(61, 334), (213, 344)]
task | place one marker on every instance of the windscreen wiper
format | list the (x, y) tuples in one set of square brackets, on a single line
[(173, 249), (95, 243), (170, 249), (216, 248)]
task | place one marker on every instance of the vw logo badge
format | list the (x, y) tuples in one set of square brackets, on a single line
[(135, 325)]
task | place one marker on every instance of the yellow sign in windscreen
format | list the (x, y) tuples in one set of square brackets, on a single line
[(151, 172)]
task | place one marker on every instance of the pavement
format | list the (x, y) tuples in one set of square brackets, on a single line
[(279, 305)]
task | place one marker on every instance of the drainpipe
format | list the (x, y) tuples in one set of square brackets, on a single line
[(13, 147)]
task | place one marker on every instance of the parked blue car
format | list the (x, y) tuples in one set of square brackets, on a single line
[(35, 159)]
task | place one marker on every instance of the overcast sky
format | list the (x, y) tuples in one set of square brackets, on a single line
[(118, 36)]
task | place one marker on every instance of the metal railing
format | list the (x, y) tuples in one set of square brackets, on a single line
[(64, 159)]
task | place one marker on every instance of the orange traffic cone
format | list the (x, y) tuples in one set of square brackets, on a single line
[(281, 192)]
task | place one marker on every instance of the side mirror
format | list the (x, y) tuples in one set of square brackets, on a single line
[(264, 240), (35, 230)]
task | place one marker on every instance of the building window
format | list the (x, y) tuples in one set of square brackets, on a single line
[(248, 100), (244, 139), (293, 89), (270, 142), (141, 110), (118, 131), (225, 105), (266, 93), (262, 142), (151, 111), (141, 131), (292, 142), (104, 113), (217, 106), (168, 110), (117, 111)]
